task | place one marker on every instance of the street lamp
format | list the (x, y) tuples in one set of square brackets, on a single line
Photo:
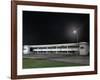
[(75, 32)]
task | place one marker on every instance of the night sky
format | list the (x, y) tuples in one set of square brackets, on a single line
[(54, 28)]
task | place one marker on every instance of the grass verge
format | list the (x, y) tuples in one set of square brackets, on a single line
[(44, 63)]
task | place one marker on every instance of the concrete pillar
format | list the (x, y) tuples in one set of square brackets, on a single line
[(26, 49)]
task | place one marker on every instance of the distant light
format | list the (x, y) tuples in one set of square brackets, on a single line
[(74, 31)]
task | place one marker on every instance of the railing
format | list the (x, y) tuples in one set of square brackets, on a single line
[(65, 49)]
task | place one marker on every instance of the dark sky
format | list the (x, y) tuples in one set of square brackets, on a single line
[(54, 28)]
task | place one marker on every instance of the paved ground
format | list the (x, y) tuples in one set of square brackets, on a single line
[(72, 59)]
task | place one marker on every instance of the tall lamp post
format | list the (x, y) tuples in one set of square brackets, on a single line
[(75, 32)]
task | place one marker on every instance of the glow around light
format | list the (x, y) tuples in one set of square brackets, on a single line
[(74, 31)]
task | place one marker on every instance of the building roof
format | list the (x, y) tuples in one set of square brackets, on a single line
[(51, 45)]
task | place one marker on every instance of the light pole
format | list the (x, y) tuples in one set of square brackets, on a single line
[(75, 32)]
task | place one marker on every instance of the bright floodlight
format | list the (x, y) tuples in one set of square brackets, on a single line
[(74, 31)]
